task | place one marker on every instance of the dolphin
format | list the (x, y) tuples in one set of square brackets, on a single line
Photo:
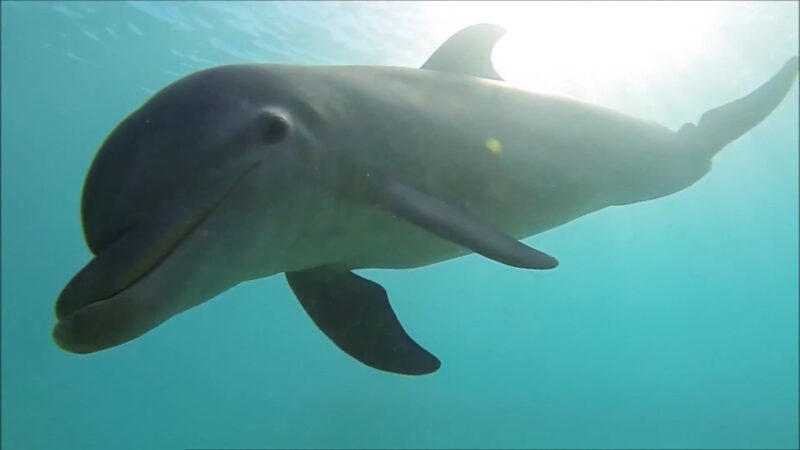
[(242, 172)]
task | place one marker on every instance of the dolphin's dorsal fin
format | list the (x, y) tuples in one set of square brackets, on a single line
[(468, 52)]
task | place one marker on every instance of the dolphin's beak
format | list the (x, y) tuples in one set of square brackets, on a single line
[(93, 310)]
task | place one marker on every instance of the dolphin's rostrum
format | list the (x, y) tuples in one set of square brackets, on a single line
[(245, 171)]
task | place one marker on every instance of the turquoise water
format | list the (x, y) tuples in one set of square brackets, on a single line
[(671, 323)]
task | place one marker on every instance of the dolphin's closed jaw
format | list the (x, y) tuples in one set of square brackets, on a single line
[(95, 310), (106, 323)]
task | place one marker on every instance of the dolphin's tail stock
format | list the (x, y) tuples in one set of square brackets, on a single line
[(724, 124)]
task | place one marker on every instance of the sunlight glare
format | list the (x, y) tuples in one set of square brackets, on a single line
[(551, 46)]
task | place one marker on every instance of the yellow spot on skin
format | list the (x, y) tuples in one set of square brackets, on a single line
[(494, 145)]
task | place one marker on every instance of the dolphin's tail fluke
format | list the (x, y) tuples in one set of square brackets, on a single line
[(724, 124)]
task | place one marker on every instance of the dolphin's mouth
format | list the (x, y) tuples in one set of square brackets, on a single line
[(142, 249)]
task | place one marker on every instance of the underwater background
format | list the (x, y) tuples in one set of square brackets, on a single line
[(670, 323)]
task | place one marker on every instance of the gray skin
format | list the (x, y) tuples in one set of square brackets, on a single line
[(242, 172)]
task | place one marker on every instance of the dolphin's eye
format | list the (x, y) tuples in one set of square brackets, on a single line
[(273, 128)]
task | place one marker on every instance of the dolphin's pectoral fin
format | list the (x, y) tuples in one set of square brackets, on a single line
[(468, 52), (458, 225), (356, 315)]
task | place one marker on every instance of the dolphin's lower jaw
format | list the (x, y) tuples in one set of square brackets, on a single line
[(96, 311)]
